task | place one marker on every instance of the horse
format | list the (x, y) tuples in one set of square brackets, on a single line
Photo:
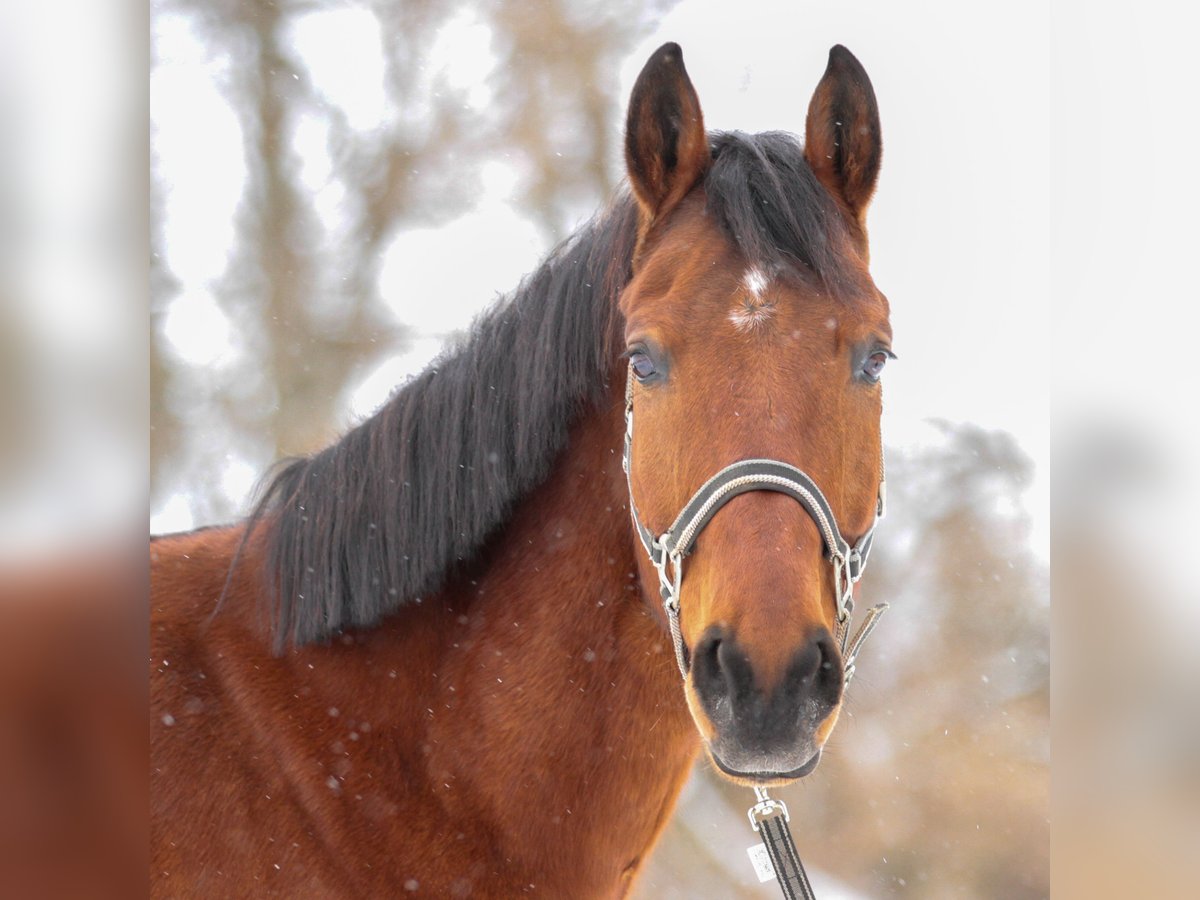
[(443, 655)]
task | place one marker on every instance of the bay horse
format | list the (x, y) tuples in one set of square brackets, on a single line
[(434, 659)]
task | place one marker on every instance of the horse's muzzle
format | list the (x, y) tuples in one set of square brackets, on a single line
[(765, 733)]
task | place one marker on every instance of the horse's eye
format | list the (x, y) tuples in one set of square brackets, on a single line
[(873, 367), (643, 366)]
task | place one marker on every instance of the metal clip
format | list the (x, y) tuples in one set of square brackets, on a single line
[(843, 585), (766, 807), (668, 586)]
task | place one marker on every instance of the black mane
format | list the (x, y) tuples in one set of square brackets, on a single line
[(388, 512)]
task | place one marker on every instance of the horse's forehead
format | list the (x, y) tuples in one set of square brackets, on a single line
[(695, 277)]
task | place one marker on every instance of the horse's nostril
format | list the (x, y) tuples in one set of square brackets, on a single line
[(809, 661), (714, 652), (718, 653), (726, 657), (828, 654), (816, 663), (828, 681), (714, 667)]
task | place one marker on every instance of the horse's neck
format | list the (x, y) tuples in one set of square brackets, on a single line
[(535, 702), (583, 731)]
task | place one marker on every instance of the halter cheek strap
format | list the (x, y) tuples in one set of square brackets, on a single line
[(667, 551)]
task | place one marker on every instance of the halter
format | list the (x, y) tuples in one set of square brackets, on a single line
[(776, 857), (667, 551)]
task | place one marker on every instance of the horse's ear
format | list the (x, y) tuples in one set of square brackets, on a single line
[(842, 140), (666, 147)]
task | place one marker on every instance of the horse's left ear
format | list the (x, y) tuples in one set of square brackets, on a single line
[(842, 140), (666, 147)]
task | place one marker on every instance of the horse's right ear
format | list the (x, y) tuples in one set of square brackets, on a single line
[(666, 147)]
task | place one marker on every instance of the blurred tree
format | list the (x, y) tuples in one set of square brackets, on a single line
[(301, 288), (16, 414)]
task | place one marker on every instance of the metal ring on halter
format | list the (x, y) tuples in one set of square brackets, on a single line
[(764, 807), (843, 587), (669, 586)]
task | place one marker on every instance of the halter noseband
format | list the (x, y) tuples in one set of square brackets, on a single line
[(667, 551)]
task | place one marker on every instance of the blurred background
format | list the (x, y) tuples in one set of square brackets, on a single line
[(301, 180), (337, 188)]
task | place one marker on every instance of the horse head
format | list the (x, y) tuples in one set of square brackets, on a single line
[(754, 332)]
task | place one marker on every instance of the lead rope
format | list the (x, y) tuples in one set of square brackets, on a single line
[(770, 819)]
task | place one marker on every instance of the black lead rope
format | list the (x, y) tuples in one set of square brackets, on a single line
[(788, 869), (770, 819)]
